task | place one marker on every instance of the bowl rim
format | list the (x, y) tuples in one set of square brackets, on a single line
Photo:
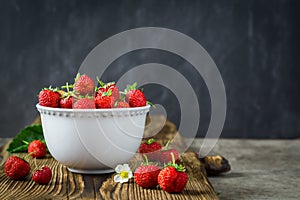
[(100, 110)]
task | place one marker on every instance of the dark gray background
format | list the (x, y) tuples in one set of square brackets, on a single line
[(254, 44)]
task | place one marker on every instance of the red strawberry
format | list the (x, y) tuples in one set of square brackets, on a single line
[(100, 91), (16, 168), (104, 100), (84, 85), (115, 90), (42, 176), (37, 148), (173, 178), (165, 155), (106, 87), (135, 97), (49, 97), (84, 103), (146, 175), (66, 100), (122, 104), (151, 149)]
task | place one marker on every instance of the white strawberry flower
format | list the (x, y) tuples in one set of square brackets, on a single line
[(124, 173)]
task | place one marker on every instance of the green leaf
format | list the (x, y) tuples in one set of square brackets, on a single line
[(24, 137)]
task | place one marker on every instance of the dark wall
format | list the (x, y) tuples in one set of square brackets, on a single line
[(254, 44)]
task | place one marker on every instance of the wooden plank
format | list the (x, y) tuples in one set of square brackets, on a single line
[(68, 185), (63, 185), (198, 186)]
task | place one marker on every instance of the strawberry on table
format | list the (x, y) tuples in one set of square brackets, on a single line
[(165, 155), (173, 178), (37, 149), (42, 176), (84, 103), (49, 97), (146, 175), (84, 85), (151, 149), (135, 97), (16, 168)]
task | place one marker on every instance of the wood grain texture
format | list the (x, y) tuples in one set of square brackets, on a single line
[(198, 186), (68, 185)]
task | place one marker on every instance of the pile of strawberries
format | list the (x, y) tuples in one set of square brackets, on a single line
[(172, 177), (84, 95), (18, 168)]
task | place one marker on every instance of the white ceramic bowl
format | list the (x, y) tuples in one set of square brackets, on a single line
[(93, 141)]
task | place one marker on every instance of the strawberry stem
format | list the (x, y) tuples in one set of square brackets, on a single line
[(173, 157), (102, 84), (27, 156), (146, 158), (179, 168), (151, 104), (35, 163), (67, 85), (167, 145)]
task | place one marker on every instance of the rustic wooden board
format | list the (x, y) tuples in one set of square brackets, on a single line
[(67, 185), (198, 186)]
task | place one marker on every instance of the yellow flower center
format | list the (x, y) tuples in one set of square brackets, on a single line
[(124, 174)]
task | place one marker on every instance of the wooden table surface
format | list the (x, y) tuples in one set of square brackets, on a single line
[(261, 169), (67, 185)]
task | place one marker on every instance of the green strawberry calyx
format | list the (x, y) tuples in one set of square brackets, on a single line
[(130, 87), (102, 84), (150, 141), (56, 89), (179, 168), (108, 93), (68, 93)]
